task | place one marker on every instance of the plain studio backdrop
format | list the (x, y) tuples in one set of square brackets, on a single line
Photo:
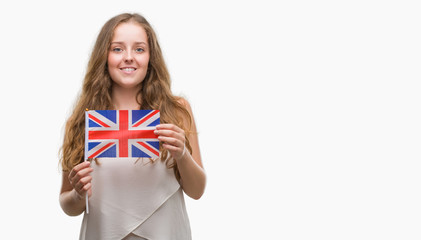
[(308, 112)]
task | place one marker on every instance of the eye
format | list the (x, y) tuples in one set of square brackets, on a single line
[(117, 49), (139, 50)]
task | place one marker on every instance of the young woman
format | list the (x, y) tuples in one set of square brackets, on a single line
[(128, 198)]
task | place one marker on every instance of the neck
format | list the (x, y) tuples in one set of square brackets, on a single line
[(124, 98)]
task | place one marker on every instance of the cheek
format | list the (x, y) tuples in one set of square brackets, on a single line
[(112, 60), (112, 63), (143, 61)]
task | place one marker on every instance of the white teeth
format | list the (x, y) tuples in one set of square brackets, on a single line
[(128, 69)]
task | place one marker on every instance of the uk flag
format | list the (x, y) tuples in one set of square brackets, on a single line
[(121, 133)]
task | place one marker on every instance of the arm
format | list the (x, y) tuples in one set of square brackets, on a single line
[(75, 186), (193, 177)]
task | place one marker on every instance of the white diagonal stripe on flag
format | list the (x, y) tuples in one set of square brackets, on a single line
[(113, 126), (135, 143), (102, 144), (148, 121)]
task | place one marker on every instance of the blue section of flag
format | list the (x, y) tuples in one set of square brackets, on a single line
[(136, 152), (154, 144), (110, 152), (138, 114), (92, 145), (109, 114), (93, 124), (156, 122)]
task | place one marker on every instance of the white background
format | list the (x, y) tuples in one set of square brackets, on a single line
[(308, 112)]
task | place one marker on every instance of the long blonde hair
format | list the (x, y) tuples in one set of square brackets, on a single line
[(155, 92)]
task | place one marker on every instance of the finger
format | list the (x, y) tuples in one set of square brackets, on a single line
[(172, 147), (168, 126), (169, 133), (80, 174), (171, 141), (78, 167), (176, 152), (85, 180), (84, 172), (80, 186), (87, 186), (89, 189)]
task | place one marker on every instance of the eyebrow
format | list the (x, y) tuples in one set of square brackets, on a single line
[(135, 43)]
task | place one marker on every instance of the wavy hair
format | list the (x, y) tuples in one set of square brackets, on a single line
[(155, 93)]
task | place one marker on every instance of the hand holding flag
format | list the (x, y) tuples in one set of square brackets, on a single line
[(80, 179), (173, 139)]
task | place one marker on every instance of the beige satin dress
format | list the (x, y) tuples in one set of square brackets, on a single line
[(135, 199)]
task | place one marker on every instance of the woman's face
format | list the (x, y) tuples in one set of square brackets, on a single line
[(128, 56)]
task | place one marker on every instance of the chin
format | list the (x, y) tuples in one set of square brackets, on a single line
[(128, 85)]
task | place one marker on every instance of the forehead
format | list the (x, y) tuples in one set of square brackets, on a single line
[(128, 32)]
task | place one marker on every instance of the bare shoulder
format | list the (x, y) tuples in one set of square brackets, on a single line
[(185, 104)]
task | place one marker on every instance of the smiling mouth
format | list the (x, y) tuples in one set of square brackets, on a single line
[(128, 70)]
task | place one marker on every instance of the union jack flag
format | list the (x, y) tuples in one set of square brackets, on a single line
[(121, 133)]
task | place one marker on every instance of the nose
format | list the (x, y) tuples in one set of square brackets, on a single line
[(128, 57)]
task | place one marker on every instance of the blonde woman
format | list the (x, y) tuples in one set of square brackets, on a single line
[(128, 198)]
